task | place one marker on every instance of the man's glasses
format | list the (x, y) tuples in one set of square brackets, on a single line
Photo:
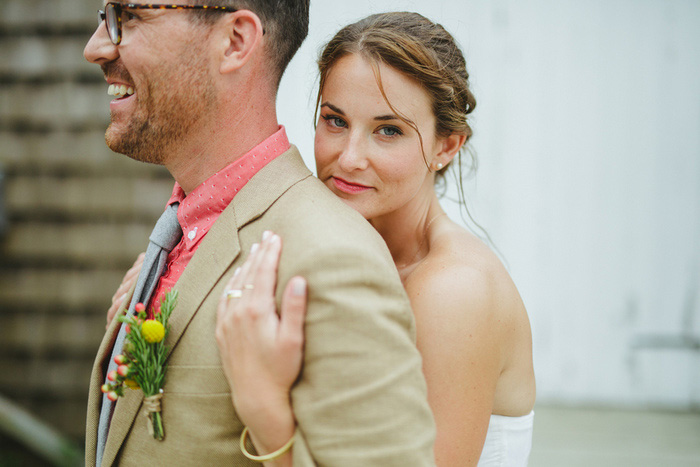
[(112, 14)]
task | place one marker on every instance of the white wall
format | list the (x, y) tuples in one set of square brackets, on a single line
[(588, 132)]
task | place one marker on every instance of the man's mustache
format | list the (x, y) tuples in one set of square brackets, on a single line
[(117, 71)]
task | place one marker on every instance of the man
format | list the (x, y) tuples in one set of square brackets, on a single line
[(196, 92)]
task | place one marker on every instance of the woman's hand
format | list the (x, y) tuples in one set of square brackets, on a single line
[(123, 291), (261, 352)]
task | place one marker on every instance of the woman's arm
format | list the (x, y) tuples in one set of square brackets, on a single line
[(262, 352), (458, 333), (457, 336)]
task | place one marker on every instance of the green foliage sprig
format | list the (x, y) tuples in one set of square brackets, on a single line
[(142, 364)]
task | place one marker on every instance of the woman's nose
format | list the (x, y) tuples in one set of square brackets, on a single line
[(353, 155)]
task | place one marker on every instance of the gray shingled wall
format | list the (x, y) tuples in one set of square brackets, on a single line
[(78, 214)]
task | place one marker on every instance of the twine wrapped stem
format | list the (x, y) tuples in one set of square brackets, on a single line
[(151, 405)]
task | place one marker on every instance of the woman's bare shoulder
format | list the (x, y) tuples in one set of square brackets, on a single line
[(464, 275), (470, 317)]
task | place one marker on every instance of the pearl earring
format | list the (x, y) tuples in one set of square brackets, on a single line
[(438, 166)]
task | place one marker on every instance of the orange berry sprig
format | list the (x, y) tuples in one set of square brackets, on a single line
[(152, 332), (142, 365), (116, 379)]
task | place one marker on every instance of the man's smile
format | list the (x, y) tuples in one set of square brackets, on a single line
[(120, 90)]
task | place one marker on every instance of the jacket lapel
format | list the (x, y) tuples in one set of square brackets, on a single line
[(124, 415), (268, 185), (213, 258), (220, 248), (95, 395)]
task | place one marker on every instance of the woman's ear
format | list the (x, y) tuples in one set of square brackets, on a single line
[(241, 36), (447, 149)]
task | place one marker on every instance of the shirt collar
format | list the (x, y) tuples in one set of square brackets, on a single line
[(199, 210)]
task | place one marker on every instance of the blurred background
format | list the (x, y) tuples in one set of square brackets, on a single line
[(587, 131)]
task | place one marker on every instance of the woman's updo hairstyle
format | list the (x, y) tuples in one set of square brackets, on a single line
[(419, 49)]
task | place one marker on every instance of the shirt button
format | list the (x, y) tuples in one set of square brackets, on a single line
[(192, 234)]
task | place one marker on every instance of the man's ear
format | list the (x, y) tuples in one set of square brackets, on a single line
[(241, 36), (448, 148)]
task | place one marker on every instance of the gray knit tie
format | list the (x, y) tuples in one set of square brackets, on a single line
[(166, 234)]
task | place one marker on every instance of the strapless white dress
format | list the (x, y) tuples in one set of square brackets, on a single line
[(508, 441)]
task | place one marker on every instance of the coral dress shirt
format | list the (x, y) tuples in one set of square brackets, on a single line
[(201, 208)]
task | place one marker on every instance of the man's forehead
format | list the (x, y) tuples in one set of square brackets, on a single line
[(125, 2)]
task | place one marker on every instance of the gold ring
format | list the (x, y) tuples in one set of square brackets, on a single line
[(234, 293), (249, 286)]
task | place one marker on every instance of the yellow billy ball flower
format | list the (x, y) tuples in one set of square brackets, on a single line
[(153, 331), (130, 383)]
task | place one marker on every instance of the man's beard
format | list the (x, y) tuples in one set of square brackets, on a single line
[(170, 106)]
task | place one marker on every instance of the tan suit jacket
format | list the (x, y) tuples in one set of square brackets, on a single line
[(361, 398)]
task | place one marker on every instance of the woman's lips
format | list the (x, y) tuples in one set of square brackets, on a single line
[(349, 187)]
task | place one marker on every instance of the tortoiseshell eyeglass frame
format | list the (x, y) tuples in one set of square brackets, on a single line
[(112, 14)]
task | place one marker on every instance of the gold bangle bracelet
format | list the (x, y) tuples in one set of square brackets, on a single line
[(266, 457)]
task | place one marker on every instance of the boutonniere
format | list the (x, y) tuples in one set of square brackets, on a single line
[(142, 366)]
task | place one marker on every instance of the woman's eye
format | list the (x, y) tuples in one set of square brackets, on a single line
[(127, 15), (334, 121), (390, 131)]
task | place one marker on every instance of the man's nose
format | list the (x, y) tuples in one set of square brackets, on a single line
[(100, 49)]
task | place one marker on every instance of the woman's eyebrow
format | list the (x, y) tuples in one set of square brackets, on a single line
[(333, 108), (387, 117), (381, 118)]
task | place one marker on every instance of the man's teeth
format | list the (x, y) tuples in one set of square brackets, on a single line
[(119, 90)]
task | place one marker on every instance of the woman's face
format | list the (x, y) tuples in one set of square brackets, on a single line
[(364, 153)]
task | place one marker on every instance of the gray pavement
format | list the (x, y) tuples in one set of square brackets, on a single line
[(566, 436)]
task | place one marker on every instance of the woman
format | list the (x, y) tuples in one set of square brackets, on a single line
[(393, 102)]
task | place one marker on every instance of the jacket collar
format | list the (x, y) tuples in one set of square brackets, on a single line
[(213, 258)]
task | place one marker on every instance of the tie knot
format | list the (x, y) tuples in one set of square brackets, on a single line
[(167, 232)]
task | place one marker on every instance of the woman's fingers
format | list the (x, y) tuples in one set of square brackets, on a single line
[(235, 296), (253, 286), (129, 278), (133, 273), (233, 284), (112, 311), (261, 353), (124, 289), (263, 277), (293, 312)]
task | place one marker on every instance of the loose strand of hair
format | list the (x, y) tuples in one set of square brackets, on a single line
[(469, 221), (402, 117)]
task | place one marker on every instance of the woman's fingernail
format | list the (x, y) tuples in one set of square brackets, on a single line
[(266, 234), (235, 273), (299, 287), (275, 239), (255, 247)]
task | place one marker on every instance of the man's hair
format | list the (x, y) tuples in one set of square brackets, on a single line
[(286, 25)]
